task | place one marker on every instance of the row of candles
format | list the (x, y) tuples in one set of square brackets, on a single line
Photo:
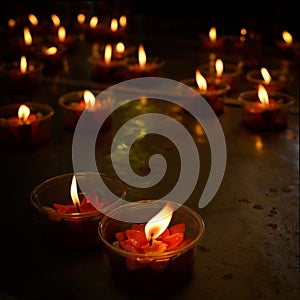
[(160, 250)]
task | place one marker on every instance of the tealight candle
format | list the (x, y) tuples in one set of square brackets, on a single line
[(151, 66), (65, 41), (213, 90), (71, 215), (271, 79), (24, 75), (94, 30), (108, 69), (52, 58), (224, 71), (288, 47), (73, 104), (265, 110), (212, 42), (25, 125), (155, 254)]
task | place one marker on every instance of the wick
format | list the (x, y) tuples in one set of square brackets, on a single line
[(78, 208), (151, 240)]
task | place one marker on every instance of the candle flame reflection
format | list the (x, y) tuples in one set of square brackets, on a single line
[(159, 223), (23, 112), (263, 95)]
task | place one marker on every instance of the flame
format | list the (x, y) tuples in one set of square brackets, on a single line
[(74, 193), (287, 37), (94, 22), (212, 34), (23, 112), (219, 67), (123, 21), (80, 18), (33, 19), (89, 99), (107, 53), (158, 224), (120, 47), (266, 75), (114, 25), (263, 95), (23, 64), (55, 20), (142, 56), (11, 23), (61, 33), (243, 34), (201, 81), (27, 36), (51, 51)]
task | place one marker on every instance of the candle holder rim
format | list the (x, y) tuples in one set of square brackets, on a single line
[(76, 215), (168, 254)]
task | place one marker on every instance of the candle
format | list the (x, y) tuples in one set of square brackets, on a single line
[(71, 215), (146, 66), (212, 42), (25, 125), (65, 41), (73, 104), (158, 250), (213, 90), (23, 75), (271, 79), (94, 30), (52, 59), (107, 69), (265, 110), (288, 47), (225, 71)]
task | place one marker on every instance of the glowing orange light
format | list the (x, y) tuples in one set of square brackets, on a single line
[(120, 47), (212, 34), (108, 53), (266, 75), (74, 193), (287, 37), (123, 21), (263, 95), (27, 36), (23, 112), (158, 224), (142, 56), (51, 50), (33, 19), (55, 20), (89, 99), (81, 18), (219, 67), (61, 33), (23, 64), (11, 23), (93, 22), (201, 81), (114, 25)]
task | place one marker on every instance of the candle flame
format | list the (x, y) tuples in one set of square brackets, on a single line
[(61, 33), (33, 19), (51, 51), (158, 224), (142, 56), (212, 34), (11, 23), (94, 22), (219, 67), (287, 37), (107, 53), (266, 75), (27, 36), (23, 112), (114, 25), (23, 64), (123, 21), (120, 47), (263, 95), (74, 193), (55, 20), (201, 81), (80, 18), (89, 99)]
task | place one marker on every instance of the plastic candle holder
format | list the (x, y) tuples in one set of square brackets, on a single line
[(278, 82), (259, 116), (73, 105), (18, 133), (65, 225), (157, 270), (215, 93)]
